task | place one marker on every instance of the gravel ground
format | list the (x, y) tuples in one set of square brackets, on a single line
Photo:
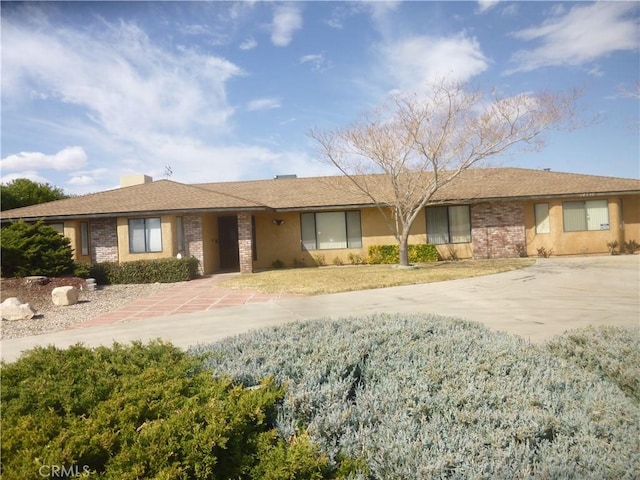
[(51, 318)]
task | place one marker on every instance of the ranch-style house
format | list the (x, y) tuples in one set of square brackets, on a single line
[(249, 225)]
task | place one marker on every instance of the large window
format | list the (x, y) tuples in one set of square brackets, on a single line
[(145, 235), (587, 215), (327, 230), (542, 217), (448, 225)]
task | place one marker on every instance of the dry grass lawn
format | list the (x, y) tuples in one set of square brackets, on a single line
[(314, 281)]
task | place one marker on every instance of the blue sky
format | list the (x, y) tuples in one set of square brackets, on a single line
[(223, 91)]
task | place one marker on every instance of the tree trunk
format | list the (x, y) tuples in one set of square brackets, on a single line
[(404, 250)]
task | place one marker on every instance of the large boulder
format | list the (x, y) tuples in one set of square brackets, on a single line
[(13, 309), (62, 296)]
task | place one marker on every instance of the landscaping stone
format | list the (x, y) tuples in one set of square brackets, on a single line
[(13, 309), (36, 280), (63, 296)]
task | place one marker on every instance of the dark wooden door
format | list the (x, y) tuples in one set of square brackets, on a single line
[(228, 243)]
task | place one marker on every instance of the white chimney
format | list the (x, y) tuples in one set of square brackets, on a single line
[(138, 179)]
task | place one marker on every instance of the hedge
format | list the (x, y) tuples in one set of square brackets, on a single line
[(162, 270), (391, 253), (143, 412)]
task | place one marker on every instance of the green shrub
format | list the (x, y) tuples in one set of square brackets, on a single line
[(82, 270), (391, 253), (162, 270), (431, 397), (143, 412), (34, 249)]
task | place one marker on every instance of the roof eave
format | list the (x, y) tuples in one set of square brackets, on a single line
[(88, 216), (541, 197)]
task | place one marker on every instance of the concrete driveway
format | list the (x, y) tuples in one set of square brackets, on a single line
[(546, 299)]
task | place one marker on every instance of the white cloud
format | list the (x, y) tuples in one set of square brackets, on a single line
[(286, 20), (248, 44), (84, 178), (264, 104), (317, 61), (67, 159), (131, 100), (29, 174), (484, 5), (583, 34), (415, 61), (127, 85)]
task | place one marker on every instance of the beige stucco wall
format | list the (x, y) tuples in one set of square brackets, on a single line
[(584, 242), (169, 243), (283, 242), (631, 217)]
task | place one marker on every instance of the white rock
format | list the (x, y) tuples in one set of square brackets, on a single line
[(64, 296), (13, 309)]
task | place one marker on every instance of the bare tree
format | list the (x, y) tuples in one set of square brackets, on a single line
[(420, 143)]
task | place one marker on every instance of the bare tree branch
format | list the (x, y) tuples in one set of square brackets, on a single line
[(418, 143)]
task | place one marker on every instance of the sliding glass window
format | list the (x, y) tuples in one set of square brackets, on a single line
[(331, 230)]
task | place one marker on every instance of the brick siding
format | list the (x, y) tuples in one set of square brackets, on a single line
[(245, 240), (497, 228), (104, 240), (193, 238)]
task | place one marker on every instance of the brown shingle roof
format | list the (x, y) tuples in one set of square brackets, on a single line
[(317, 192), (160, 196)]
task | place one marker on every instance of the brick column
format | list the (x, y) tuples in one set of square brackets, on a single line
[(193, 238), (104, 240), (497, 228), (245, 243)]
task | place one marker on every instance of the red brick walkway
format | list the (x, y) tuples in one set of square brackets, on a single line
[(193, 296)]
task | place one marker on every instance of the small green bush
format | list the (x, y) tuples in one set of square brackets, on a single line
[(391, 254), (162, 270), (34, 249), (143, 412), (82, 270)]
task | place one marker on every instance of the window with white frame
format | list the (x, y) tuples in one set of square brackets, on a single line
[(541, 211), (145, 235), (585, 215), (329, 230), (451, 224)]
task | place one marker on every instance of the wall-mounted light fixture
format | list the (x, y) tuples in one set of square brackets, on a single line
[(278, 221)]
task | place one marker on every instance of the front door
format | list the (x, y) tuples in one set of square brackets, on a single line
[(228, 243)]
